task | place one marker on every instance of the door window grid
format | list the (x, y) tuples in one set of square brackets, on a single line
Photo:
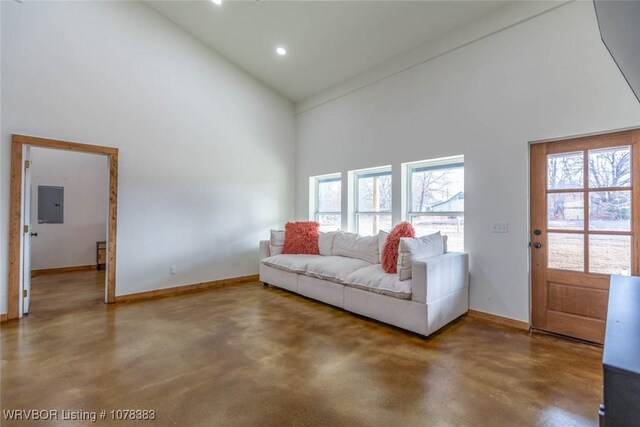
[(589, 210)]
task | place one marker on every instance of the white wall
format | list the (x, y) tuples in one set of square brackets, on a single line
[(544, 78), (85, 178), (206, 151)]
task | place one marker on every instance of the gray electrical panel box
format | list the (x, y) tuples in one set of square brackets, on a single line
[(50, 205)]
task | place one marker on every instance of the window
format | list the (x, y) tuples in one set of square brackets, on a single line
[(435, 199), (373, 201), (328, 201)]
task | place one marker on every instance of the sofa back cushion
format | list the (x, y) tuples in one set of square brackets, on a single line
[(301, 238), (325, 242), (391, 245), (417, 248), (276, 242), (354, 246), (382, 239)]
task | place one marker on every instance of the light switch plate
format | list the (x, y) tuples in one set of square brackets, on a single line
[(499, 227)]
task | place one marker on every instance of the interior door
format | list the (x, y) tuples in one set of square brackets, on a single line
[(585, 226), (27, 234)]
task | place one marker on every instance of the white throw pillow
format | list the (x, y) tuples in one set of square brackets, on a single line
[(325, 242), (382, 238), (276, 242), (417, 248), (275, 250), (353, 246)]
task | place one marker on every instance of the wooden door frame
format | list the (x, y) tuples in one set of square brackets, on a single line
[(599, 140), (18, 142)]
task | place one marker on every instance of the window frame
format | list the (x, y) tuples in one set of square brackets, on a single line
[(317, 180), (430, 165), (368, 173)]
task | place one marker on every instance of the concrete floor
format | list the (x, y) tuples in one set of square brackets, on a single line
[(248, 355)]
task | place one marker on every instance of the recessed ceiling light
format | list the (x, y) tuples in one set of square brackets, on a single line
[(281, 51), (217, 2)]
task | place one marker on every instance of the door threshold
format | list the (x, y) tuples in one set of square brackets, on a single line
[(566, 337)]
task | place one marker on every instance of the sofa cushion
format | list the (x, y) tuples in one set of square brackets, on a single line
[(416, 248), (391, 245), (334, 268), (325, 242), (289, 262), (382, 239), (375, 279), (301, 238), (275, 250), (353, 246), (276, 242)]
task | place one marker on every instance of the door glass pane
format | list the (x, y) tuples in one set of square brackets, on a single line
[(565, 211), (610, 210), (329, 196), (374, 193), (566, 251), (329, 222), (610, 167), (452, 226), (370, 224), (565, 170), (610, 254)]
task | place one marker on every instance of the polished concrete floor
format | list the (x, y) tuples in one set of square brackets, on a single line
[(248, 355)]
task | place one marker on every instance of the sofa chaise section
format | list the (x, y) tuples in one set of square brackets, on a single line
[(442, 283)]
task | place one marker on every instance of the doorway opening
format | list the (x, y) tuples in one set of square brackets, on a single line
[(92, 217), (585, 226)]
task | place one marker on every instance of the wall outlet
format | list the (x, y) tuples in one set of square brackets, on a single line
[(172, 270), (499, 227)]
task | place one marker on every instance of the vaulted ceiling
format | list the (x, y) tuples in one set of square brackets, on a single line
[(327, 42)]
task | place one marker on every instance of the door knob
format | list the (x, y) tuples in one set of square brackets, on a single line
[(537, 245), (34, 234)]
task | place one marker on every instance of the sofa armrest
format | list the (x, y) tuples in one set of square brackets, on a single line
[(435, 277), (265, 250)]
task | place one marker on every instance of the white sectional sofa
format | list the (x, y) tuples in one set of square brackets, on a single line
[(436, 294)]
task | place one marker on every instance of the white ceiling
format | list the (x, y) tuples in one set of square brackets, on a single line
[(328, 42)]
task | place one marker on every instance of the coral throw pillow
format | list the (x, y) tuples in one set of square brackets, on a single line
[(390, 249), (301, 238)]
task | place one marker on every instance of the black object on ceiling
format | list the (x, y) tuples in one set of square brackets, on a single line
[(619, 23)]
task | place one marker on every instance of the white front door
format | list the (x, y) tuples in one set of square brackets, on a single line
[(26, 234)]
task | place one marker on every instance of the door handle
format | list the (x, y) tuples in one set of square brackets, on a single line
[(33, 234)]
